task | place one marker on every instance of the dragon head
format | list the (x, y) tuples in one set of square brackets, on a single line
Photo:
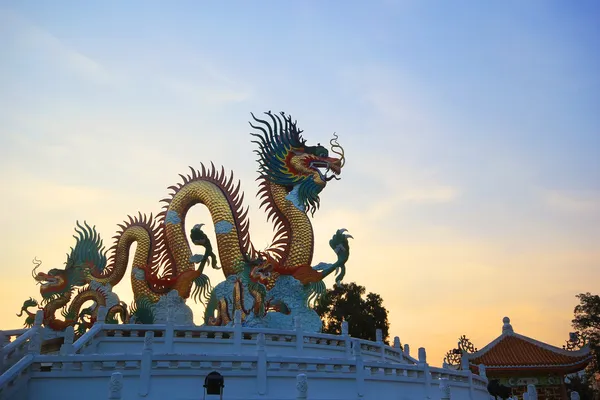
[(52, 283), (285, 159), (87, 254)]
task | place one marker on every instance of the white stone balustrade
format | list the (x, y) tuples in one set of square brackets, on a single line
[(10, 335), (155, 360), (17, 342), (239, 340)]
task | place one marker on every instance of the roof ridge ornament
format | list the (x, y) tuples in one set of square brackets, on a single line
[(507, 327), (577, 340)]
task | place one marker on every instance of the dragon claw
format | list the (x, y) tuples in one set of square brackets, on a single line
[(339, 244)]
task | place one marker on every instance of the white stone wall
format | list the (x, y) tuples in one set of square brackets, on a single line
[(171, 362)]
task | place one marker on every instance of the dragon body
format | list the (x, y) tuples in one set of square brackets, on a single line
[(267, 286)]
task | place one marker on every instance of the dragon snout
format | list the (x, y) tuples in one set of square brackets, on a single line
[(46, 280), (336, 166), (41, 277)]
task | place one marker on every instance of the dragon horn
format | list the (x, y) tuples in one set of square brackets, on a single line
[(336, 145), (37, 264)]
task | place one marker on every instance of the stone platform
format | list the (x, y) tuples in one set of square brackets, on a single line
[(168, 361)]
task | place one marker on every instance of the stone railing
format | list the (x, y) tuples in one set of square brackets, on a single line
[(15, 343), (260, 374), (10, 335), (255, 362), (236, 339)]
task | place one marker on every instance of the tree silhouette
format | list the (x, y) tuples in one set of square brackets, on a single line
[(364, 314), (587, 322)]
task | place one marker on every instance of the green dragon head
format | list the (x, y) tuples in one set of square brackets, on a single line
[(285, 159), (87, 254)]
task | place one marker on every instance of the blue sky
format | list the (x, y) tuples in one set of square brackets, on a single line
[(472, 133)]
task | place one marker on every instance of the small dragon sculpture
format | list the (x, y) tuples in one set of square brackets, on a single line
[(268, 286), (58, 285)]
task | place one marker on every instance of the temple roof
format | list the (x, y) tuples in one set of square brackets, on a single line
[(511, 351)]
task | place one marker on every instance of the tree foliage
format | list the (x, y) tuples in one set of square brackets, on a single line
[(365, 314), (580, 385), (587, 321)]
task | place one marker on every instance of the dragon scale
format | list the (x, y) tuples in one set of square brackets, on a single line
[(294, 242), (141, 231), (215, 193)]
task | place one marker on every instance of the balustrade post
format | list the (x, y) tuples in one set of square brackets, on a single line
[(39, 318), (67, 346), (169, 333), (347, 340), (378, 335), (464, 361), (35, 343), (4, 340), (407, 350), (100, 321), (301, 387), (379, 340), (360, 368), (422, 356), (115, 386), (261, 364), (101, 315), (471, 386), (146, 366), (482, 372), (423, 363), (444, 389), (299, 335), (237, 331)]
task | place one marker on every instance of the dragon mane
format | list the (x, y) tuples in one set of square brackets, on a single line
[(274, 144), (88, 249)]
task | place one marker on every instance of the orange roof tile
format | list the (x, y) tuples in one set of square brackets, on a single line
[(512, 350)]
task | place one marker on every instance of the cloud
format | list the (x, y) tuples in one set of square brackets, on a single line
[(580, 203), (428, 195), (387, 206), (205, 92), (32, 38)]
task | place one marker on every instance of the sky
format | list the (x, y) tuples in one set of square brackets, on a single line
[(471, 131)]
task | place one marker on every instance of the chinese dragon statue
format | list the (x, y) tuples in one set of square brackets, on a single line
[(269, 287)]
